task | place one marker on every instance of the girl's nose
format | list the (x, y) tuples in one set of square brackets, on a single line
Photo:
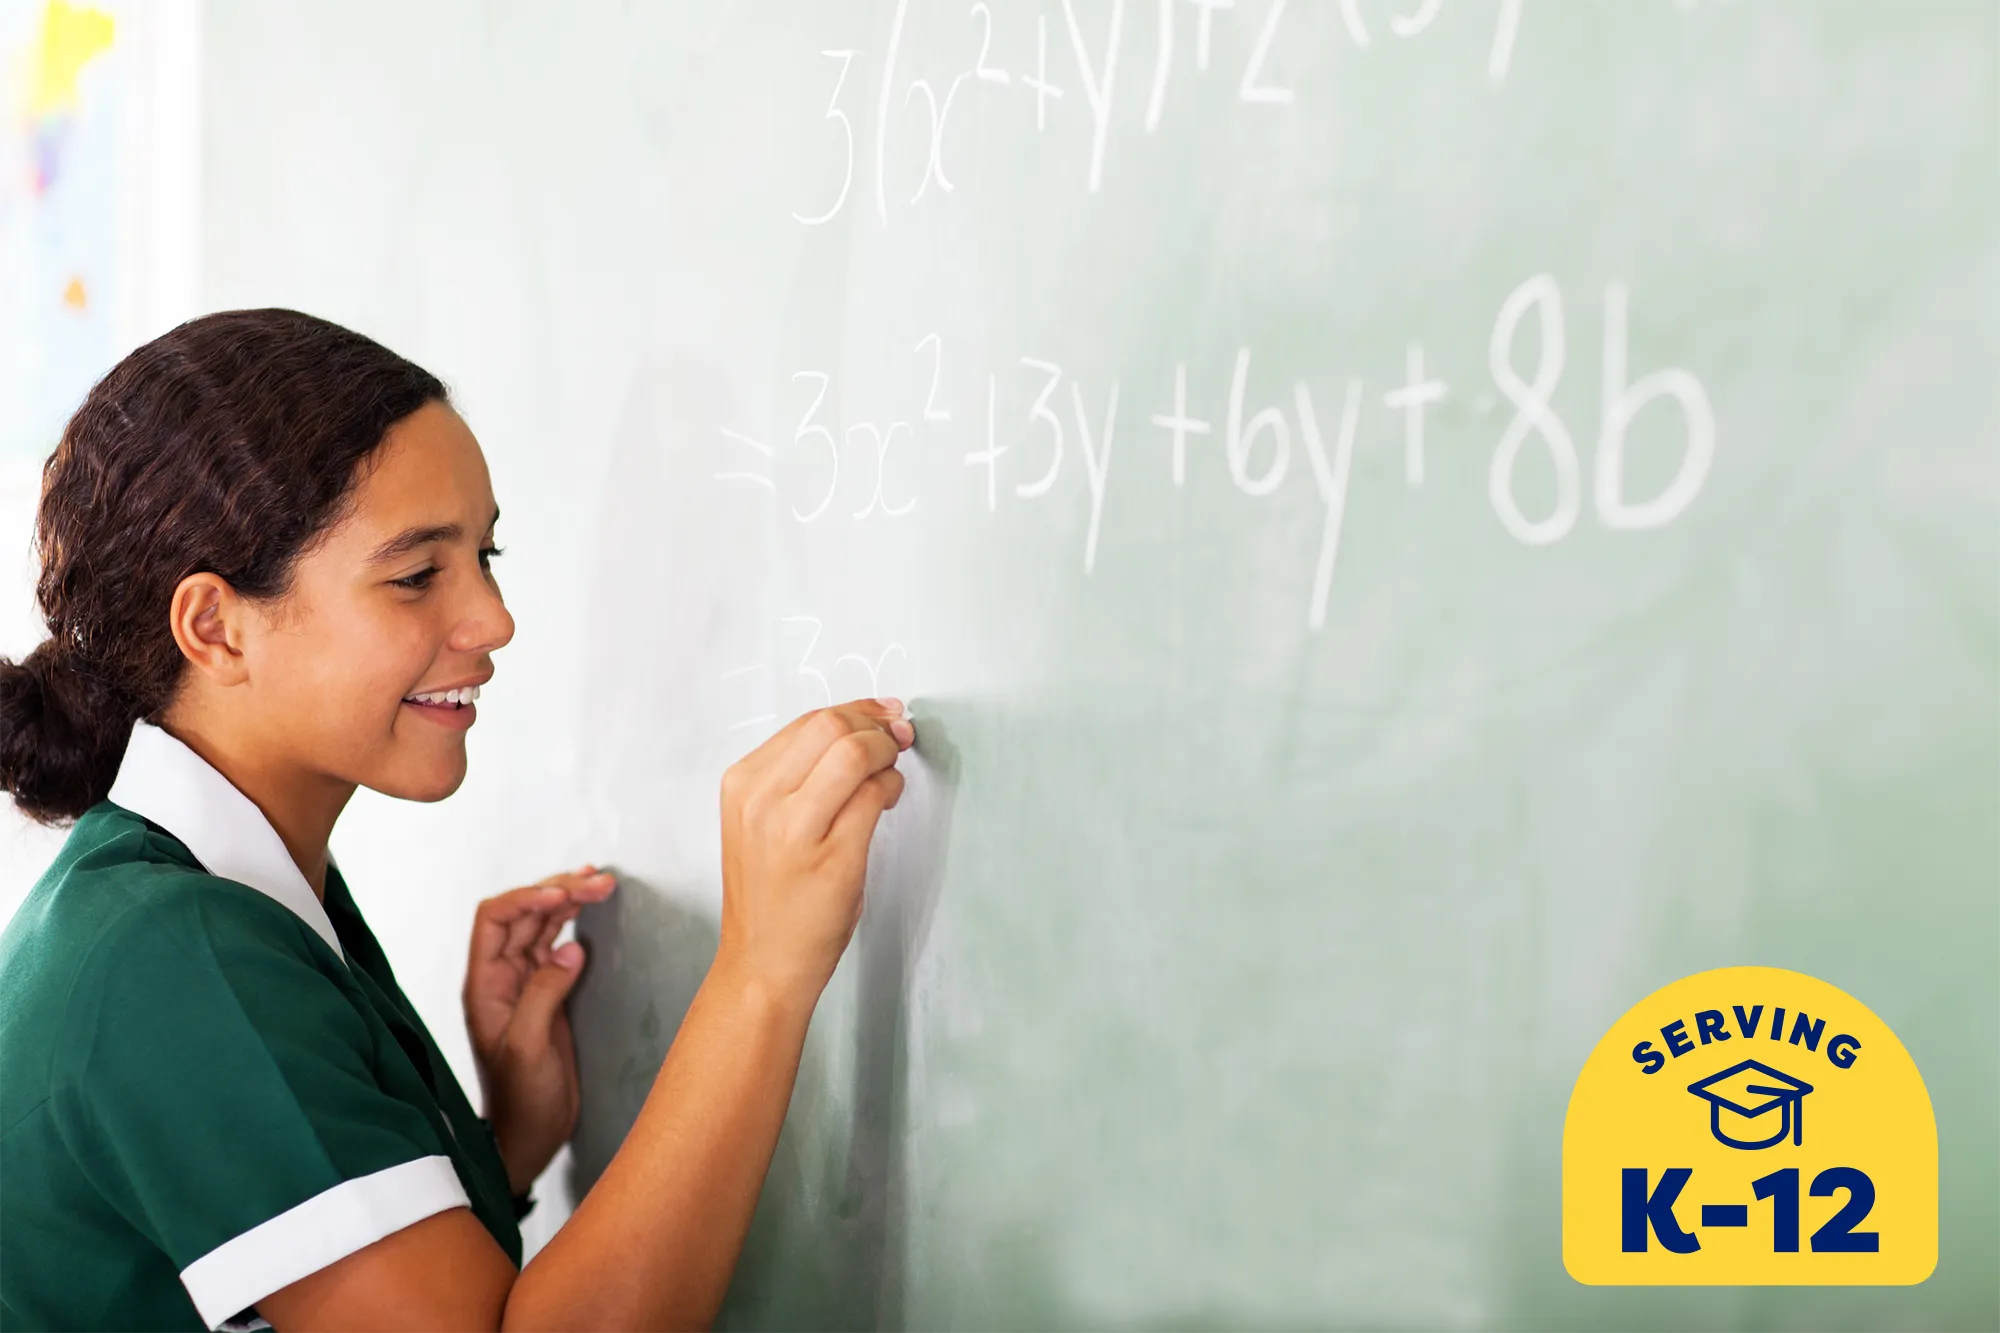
[(487, 626)]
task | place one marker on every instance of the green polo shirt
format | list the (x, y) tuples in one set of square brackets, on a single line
[(210, 1083)]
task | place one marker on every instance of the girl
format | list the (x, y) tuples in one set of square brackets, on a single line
[(265, 545)]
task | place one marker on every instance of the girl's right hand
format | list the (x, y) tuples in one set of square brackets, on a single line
[(797, 816)]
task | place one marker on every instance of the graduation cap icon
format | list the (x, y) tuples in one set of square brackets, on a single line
[(1747, 1091)]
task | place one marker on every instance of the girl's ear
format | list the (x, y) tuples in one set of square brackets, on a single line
[(209, 624)]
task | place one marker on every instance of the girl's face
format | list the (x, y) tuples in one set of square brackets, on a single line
[(396, 600)]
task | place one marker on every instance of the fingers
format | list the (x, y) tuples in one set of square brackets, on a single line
[(513, 937), (530, 938), (542, 996), (552, 924), (575, 885), (508, 924), (797, 749), (856, 820), (849, 762), (797, 816)]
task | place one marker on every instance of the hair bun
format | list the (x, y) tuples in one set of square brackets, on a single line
[(61, 736)]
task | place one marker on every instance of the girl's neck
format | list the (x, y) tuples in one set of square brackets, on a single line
[(301, 805)]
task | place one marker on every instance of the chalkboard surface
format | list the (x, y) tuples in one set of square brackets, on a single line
[(1405, 526)]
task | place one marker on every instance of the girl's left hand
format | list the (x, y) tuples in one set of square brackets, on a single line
[(515, 984)]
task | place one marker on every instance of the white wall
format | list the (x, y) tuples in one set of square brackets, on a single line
[(156, 55)]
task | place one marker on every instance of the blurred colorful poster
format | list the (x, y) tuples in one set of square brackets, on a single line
[(78, 165)]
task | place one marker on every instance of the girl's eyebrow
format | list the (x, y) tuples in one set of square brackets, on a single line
[(411, 538)]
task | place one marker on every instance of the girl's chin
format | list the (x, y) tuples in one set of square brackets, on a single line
[(425, 792), (429, 779)]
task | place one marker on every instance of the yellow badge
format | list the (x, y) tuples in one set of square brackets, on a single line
[(1750, 1125)]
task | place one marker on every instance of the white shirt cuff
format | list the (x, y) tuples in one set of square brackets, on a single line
[(327, 1227)]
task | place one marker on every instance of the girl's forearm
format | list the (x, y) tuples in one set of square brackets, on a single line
[(654, 1242)]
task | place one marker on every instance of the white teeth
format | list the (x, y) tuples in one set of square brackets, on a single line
[(463, 695)]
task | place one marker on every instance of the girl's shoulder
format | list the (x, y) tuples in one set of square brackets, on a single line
[(126, 917), (121, 879)]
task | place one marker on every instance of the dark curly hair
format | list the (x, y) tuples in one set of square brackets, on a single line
[(223, 446)]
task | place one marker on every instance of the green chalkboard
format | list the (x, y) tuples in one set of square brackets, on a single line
[(1406, 527)]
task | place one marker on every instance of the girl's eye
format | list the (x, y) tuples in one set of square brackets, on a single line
[(421, 579)]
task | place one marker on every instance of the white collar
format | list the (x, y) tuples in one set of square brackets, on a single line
[(164, 780)]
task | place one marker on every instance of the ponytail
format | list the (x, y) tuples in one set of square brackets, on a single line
[(62, 733)]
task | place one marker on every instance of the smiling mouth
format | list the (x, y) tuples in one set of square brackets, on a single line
[(445, 699)]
